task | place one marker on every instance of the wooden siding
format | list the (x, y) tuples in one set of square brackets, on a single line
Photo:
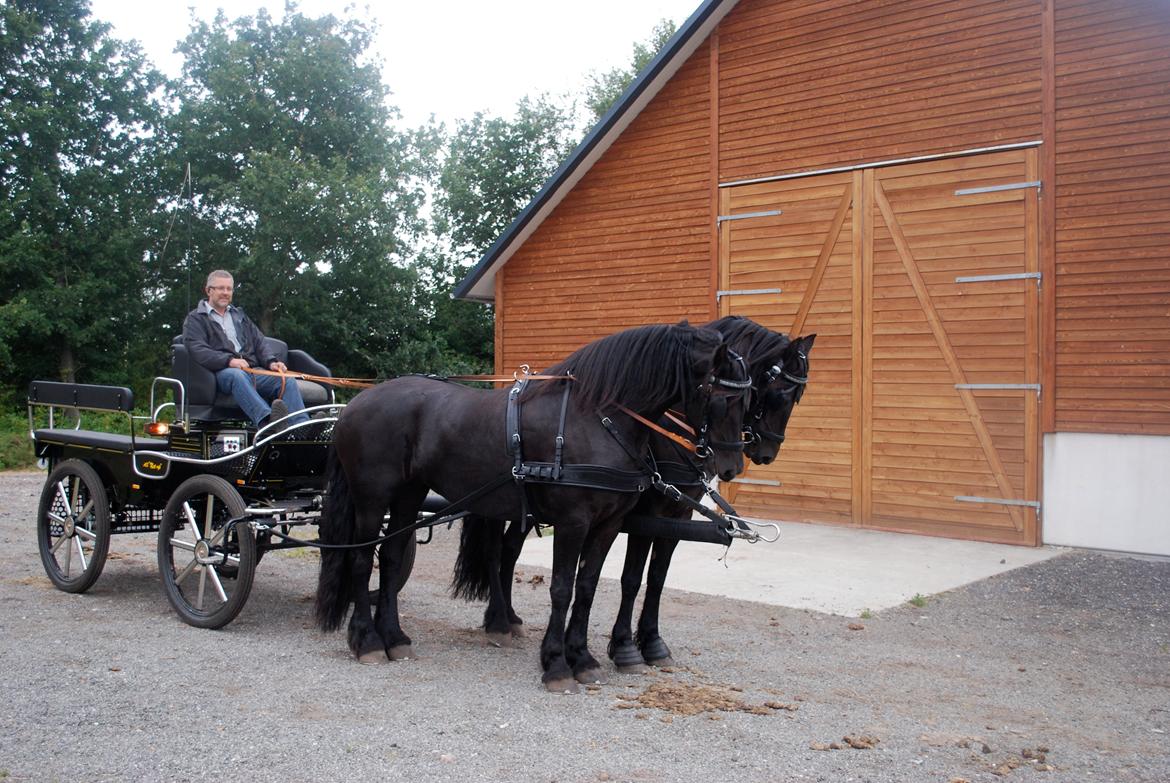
[(1112, 216), (805, 86), (875, 263), (630, 245)]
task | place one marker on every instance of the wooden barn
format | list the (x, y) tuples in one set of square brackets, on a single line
[(968, 201)]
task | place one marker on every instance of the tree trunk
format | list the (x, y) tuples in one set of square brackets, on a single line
[(68, 367)]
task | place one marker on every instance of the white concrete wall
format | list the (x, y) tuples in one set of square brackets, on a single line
[(1107, 492)]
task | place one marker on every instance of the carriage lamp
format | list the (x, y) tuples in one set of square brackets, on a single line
[(158, 428)]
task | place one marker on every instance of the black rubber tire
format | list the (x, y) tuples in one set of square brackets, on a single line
[(72, 487), (187, 583)]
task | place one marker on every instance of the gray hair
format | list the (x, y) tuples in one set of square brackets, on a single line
[(218, 273)]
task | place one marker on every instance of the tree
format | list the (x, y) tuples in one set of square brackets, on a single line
[(303, 189), (77, 135), (605, 88), (491, 168)]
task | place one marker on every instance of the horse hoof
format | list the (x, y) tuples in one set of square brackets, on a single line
[(625, 655), (518, 631), (498, 639), (663, 663), (402, 652), (633, 668), (655, 651), (562, 685), (592, 676), (372, 658)]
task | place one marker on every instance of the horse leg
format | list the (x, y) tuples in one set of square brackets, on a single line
[(495, 616), (653, 648), (512, 544), (403, 515), (622, 650), (363, 637), (558, 677), (586, 669)]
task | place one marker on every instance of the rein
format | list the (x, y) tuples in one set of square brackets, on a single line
[(366, 383), (693, 448)]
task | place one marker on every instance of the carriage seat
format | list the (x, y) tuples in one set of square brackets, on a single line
[(205, 403)]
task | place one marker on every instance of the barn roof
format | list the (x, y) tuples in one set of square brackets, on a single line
[(480, 283)]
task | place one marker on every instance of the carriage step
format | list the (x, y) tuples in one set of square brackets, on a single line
[(682, 529)]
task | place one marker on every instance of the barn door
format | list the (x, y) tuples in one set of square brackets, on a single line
[(798, 236), (920, 282)]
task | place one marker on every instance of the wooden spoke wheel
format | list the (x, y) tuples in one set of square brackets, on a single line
[(207, 564), (73, 526)]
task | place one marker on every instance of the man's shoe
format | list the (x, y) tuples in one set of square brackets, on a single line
[(277, 418)]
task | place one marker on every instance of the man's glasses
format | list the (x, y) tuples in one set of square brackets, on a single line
[(219, 288)]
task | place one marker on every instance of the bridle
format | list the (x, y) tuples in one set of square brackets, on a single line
[(738, 388), (794, 385), (699, 442)]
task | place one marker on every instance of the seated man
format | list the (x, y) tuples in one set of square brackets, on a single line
[(224, 340)]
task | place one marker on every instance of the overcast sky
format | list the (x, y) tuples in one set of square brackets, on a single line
[(446, 57)]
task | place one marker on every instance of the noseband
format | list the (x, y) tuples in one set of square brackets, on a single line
[(754, 429)]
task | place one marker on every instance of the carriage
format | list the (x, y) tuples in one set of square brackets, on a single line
[(220, 493)]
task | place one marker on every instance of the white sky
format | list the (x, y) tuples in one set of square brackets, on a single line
[(446, 57)]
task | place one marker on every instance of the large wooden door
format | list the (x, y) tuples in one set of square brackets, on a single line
[(921, 284)]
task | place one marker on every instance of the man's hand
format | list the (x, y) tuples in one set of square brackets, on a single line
[(278, 367), (238, 363)]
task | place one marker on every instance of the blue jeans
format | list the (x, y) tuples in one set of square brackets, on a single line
[(252, 393)]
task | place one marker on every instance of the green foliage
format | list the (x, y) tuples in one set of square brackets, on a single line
[(15, 446), (77, 124), (493, 166), (605, 88), (304, 190), (918, 600)]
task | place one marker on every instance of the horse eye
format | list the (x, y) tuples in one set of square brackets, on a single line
[(719, 407)]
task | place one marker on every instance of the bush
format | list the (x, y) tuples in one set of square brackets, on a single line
[(15, 446)]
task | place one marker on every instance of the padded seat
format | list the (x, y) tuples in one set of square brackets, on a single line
[(206, 403)]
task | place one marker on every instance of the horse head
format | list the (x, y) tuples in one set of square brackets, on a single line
[(716, 407), (776, 392)]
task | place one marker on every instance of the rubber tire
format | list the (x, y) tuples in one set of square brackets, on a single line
[(230, 505), (99, 525)]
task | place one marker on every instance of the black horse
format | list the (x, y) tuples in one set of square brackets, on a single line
[(779, 370), (710, 445), (397, 441)]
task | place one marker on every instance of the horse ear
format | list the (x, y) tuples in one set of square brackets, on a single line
[(805, 343)]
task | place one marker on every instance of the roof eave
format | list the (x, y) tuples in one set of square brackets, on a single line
[(479, 285)]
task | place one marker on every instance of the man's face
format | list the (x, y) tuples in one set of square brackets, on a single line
[(219, 292)]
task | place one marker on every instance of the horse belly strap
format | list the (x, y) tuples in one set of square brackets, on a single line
[(587, 476)]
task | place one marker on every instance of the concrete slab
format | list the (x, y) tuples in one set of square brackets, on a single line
[(837, 570)]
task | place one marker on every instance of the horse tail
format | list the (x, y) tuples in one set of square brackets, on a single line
[(336, 527), (471, 578)]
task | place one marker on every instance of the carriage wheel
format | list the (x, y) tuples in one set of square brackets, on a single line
[(206, 565), (73, 526)]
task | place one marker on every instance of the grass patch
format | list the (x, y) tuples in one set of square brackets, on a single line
[(15, 445), (918, 600), (866, 614)]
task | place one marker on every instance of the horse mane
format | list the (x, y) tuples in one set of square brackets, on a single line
[(759, 346), (642, 368)]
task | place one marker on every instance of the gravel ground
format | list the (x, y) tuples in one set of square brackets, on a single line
[(1054, 672)]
